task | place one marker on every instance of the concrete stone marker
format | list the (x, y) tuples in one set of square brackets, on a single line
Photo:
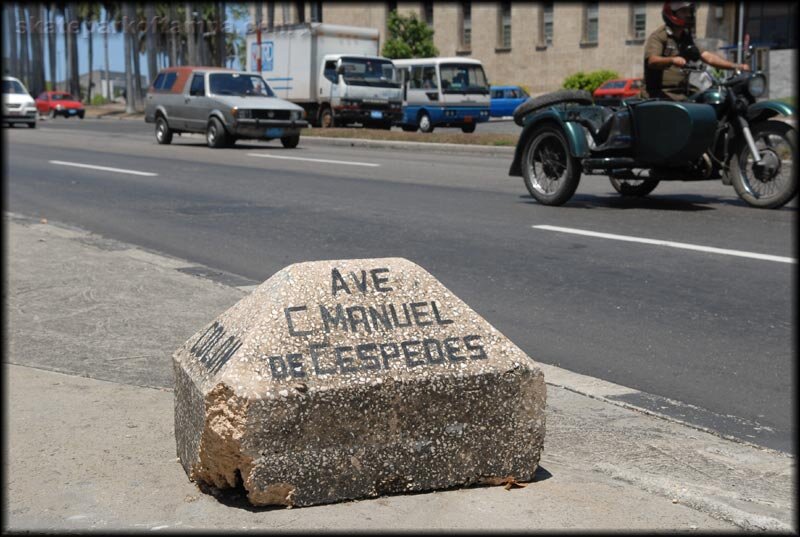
[(347, 379)]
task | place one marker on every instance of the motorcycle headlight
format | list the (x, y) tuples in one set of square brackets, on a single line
[(757, 85)]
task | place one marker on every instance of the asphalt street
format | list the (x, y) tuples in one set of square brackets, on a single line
[(710, 330)]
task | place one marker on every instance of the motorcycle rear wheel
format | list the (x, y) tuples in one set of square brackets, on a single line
[(635, 188), (551, 174), (777, 145)]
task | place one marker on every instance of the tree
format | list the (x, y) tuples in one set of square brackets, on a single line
[(89, 14), (11, 30), (74, 68), (409, 37), (24, 72), (126, 37), (51, 43), (37, 20), (152, 68)]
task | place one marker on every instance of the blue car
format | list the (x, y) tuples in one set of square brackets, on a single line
[(505, 99)]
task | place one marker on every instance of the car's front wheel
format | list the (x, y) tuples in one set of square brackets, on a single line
[(424, 123), (290, 142), (216, 136), (32, 125), (163, 132)]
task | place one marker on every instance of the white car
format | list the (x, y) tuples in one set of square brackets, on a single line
[(18, 105)]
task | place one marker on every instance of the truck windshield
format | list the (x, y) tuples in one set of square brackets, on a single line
[(370, 72), (239, 84), (463, 78)]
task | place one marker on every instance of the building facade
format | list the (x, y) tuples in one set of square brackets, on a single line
[(539, 44)]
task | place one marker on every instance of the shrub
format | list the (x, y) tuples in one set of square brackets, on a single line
[(589, 81), (409, 37), (97, 100)]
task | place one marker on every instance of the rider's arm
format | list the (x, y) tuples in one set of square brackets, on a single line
[(720, 63), (664, 62)]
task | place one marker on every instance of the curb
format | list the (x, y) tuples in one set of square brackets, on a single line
[(414, 146)]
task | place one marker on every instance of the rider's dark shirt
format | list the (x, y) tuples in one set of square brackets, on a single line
[(669, 83)]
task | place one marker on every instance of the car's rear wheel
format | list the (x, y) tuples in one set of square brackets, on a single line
[(163, 132), (216, 136), (290, 142), (470, 127), (326, 120)]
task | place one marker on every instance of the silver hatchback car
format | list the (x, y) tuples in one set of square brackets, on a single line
[(224, 104)]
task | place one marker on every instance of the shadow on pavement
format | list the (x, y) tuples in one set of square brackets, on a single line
[(237, 496)]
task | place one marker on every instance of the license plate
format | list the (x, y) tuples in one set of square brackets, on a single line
[(274, 133), (467, 119), (376, 114), (73, 112)]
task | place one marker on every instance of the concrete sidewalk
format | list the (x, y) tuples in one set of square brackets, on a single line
[(90, 445)]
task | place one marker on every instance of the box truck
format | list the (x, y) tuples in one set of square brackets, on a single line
[(334, 72)]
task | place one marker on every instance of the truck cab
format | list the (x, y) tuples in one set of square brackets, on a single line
[(358, 89)]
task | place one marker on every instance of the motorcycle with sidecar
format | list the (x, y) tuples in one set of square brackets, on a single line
[(722, 132)]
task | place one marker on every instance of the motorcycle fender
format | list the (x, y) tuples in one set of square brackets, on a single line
[(573, 132), (763, 110)]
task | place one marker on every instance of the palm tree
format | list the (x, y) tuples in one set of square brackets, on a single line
[(129, 104), (37, 48), (173, 38), (9, 17), (89, 13), (74, 71), (51, 43), (22, 17), (152, 67)]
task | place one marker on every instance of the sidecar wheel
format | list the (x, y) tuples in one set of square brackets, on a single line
[(773, 183), (635, 188), (551, 174)]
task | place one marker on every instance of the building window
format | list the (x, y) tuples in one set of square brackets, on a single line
[(638, 20), (546, 25), (427, 13), (771, 24), (590, 26), (316, 11), (466, 25), (505, 25)]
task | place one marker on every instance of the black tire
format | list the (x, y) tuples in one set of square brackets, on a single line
[(386, 126), (408, 128), (216, 137), (81, 115), (32, 125), (771, 190), (326, 119), (424, 123), (163, 132), (548, 142), (550, 99), (635, 188), (470, 127), (290, 142)]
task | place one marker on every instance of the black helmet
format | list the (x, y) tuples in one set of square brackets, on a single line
[(668, 13)]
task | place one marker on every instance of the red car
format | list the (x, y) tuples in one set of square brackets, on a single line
[(613, 91), (58, 103)]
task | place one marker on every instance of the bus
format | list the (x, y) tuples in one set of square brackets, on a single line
[(443, 92)]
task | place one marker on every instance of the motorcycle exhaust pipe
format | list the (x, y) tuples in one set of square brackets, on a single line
[(608, 163)]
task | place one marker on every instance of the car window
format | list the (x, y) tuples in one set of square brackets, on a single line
[(512, 94), (522, 92), (636, 84), (12, 86), (330, 71), (198, 87), (238, 84), (42, 97), (497, 94), (613, 84), (158, 81), (61, 97), (429, 77), (416, 77)]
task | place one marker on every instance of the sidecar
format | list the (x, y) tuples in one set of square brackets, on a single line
[(560, 142)]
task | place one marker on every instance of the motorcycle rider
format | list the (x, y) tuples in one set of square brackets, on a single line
[(668, 49)]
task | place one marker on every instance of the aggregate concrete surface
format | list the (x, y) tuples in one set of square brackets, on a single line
[(90, 443)]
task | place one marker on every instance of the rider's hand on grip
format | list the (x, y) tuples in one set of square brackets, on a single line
[(678, 61)]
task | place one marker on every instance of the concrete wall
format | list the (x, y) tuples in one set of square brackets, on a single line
[(782, 73)]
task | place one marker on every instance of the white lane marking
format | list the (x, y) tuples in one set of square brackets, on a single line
[(346, 162), (103, 168), (671, 244)]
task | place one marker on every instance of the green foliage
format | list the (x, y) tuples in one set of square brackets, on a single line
[(409, 37), (97, 100), (589, 81)]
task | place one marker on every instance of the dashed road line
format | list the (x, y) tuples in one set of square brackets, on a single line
[(326, 161), (671, 244), (101, 168)]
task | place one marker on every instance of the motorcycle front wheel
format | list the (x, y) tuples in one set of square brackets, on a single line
[(772, 182), (551, 174)]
